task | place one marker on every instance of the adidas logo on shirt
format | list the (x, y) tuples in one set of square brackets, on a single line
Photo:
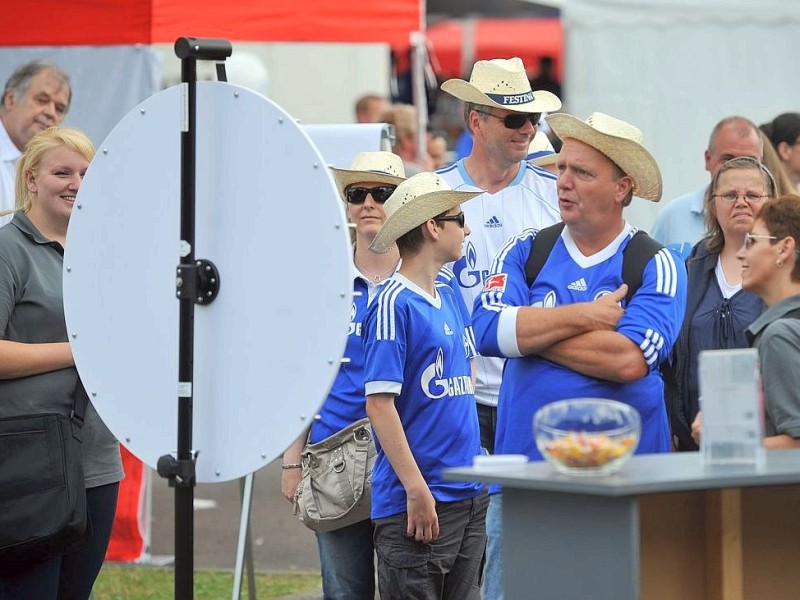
[(578, 286), (493, 222), (447, 330)]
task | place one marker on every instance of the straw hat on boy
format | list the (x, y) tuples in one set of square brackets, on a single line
[(378, 167), (502, 83), (416, 200), (621, 142)]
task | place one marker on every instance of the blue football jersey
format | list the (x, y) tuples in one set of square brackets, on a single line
[(419, 349), (652, 321)]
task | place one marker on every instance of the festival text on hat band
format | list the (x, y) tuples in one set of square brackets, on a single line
[(511, 99)]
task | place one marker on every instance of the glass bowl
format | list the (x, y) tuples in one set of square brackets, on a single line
[(587, 436)]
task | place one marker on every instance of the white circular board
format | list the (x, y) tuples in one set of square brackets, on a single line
[(267, 350)]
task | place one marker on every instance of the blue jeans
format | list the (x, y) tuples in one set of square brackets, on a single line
[(346, 558), (493, 572)]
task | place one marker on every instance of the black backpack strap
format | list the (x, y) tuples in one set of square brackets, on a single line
[(542, 246), (636, 255)]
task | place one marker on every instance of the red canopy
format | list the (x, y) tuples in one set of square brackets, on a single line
[(530, 39), (111, 22)]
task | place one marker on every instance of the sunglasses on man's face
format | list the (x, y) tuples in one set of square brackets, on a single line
[(357, 195), (516, 120)]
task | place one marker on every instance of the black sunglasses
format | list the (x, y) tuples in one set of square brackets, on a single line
[(459, 218), (357, 195), (515, 121)]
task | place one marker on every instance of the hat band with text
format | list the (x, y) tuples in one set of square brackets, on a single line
[(512, 99)]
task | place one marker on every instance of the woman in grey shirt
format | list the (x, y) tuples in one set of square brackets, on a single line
[(37, 371), (770, 260)]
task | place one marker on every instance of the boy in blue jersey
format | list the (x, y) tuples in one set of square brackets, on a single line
[(429, 533), (572, 333)]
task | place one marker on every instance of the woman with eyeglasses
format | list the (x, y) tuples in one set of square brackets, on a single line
[(718, 310), (346, 554), (771, 269)]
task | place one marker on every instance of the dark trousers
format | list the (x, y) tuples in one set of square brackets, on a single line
[(487, 421), (448, 568), (67, 576)]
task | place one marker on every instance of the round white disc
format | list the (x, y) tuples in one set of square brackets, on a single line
[(267, 350)]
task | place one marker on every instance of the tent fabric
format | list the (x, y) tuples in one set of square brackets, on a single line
[(674, 69), (588, 14), (457, 44), (110, 22), (122, 76)]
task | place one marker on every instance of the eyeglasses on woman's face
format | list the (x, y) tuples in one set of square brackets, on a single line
[(752, 238), (749, 197)]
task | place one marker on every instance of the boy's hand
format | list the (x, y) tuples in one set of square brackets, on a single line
[(423, 522)]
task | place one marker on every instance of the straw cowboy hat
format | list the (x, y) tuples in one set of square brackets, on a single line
[(619, 141), (380, 167), (502, 83), (416, 200), (541, 151)]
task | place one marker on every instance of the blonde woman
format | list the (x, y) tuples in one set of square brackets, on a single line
[(37, 371)]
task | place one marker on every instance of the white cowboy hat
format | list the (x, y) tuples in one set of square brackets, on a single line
[(619, 141), (502, 83), (417, 199), (541, 151), (380, 167)]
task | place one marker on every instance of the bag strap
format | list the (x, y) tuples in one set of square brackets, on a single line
[(363, 437), (635, 257), (542, 246), (80, 401), (640, 249)]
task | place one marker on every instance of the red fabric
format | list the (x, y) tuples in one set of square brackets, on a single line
[(88, 22), (108, 22), (530, 39), (126, 543)]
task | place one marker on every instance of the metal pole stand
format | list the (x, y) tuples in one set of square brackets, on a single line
[(197, 282)]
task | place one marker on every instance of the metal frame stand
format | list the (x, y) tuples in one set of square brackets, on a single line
[(244, 549), (197, 282)]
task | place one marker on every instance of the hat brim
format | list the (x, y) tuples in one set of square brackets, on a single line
[(543, 101), (347, 177), (543, 159), (632, 158), (415, 213)]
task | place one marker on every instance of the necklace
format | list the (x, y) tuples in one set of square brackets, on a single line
[(375, 278)]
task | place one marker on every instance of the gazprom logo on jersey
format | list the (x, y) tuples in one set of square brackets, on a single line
[(549, 301), (354, 327), (435, 386), (464, 268)]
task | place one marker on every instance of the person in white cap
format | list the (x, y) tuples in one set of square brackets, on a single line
[(429, 533), (501, 112), (573, 330), (346, 554)]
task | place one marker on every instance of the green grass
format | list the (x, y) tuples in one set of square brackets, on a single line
[(150, 583)]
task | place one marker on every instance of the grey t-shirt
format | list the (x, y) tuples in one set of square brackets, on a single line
[(778, 343), (32, 311)]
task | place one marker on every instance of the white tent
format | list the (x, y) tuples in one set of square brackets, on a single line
[(676, 67)]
